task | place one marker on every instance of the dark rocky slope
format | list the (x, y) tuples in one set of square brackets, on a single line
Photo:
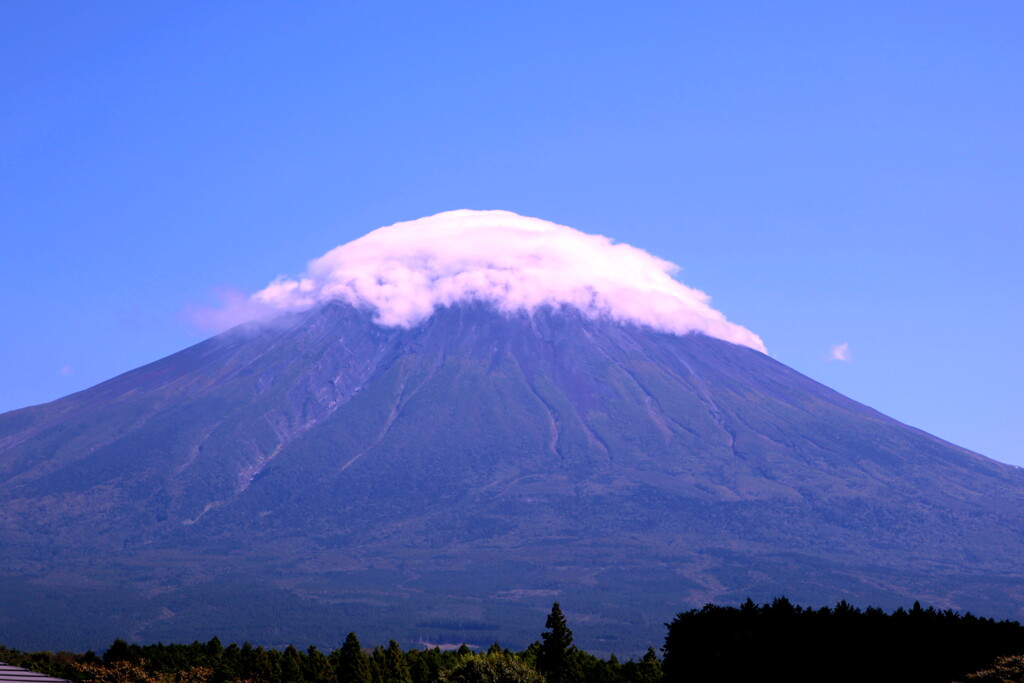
[(447, 482)]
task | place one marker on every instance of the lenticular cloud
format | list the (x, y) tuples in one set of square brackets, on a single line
[(406, 270)]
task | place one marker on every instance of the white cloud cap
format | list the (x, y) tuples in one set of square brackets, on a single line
[(406, 270)]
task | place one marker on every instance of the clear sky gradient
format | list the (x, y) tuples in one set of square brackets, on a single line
[(830, 173)]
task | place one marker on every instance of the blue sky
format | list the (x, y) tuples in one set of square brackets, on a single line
[(828, 172)]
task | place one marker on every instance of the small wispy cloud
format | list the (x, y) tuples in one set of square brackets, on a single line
[(233, 308), (66, 370), (840, 352)]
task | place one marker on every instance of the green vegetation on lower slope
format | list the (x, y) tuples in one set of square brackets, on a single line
[(553, 659), (774, 641)]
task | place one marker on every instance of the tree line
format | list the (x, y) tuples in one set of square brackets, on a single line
[(552, 659), (774, 640), (796, 644)]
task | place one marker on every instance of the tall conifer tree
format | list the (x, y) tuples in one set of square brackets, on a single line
[(351, 665), (395, 668), (556, 657)]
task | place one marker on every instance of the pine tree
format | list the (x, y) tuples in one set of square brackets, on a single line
[(230, 664), (395, 668), (247, 661), (649, 670), (316, 667), (291, 666), (267, 665), (351, 665), (556, 657), (119, 651)]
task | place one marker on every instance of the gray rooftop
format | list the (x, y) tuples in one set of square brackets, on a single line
[(9, 674)]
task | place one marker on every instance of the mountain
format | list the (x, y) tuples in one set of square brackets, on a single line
[(295, 480)]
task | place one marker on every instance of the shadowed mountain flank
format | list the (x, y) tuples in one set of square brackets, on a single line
[(440, 484)]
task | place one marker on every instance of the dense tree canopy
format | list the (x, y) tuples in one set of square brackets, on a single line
[(492, 667), (782, 640), (777, 640)]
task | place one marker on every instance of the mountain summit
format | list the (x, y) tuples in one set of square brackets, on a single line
[(442, 481)]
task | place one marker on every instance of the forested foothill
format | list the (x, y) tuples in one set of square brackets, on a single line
[(791, 643), (776, 640)]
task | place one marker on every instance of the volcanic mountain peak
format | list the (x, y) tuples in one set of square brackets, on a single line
[(478, 462)]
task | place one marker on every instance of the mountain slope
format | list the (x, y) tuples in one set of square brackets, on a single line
[(439, 482)]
